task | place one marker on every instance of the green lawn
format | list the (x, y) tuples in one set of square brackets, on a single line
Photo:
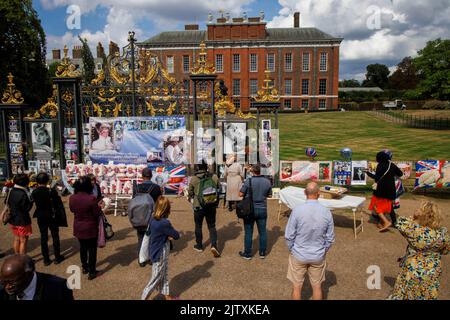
[(364, 133)]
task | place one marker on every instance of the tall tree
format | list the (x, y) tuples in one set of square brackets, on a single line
[(22, 51), (351, 83), (88, 62), (433, 67), (376, 76), (405, 77)]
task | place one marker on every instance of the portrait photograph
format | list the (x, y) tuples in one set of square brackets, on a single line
[(266, 124), (70, 133), (235, 138), (15, 137), (32, 163), (174, 150), (102, 136), (15, 148), (358, 174), (13, 126), (56, 164), (42, 136)]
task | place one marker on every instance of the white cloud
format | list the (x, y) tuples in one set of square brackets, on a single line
[(126, 15), (406, 26)]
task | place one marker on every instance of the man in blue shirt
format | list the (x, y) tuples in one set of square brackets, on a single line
[(309, 235), (262, 189), (147, 186)]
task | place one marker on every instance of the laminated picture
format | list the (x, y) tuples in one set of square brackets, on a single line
[(286, 170), (70, 133), (13, 126), (342, 173), (174, 150), (15, 148), (102, 136), (44, 165), (325, 171), (428, 174), (358, 174), (42, 136), (266, 125), (15, 137), (406, 167), (56, 164), (234, 138), (446, 174)]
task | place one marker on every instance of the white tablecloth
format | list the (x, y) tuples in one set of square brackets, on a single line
[(293, 196)]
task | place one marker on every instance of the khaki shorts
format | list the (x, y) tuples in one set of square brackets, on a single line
[(297, 270)]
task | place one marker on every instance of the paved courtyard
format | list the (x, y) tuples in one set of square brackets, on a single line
[(199, 276)]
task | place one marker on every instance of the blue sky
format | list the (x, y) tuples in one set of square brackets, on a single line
[(381, 33)]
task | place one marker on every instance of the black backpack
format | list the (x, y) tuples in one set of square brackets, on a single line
[(244, 208)]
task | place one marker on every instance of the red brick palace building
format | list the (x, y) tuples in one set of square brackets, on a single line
[(304, 62)]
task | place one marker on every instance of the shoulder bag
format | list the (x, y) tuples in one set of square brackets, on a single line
[(6, 213), (244, 208), (375, 185)]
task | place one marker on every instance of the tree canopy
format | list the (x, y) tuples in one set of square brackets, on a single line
[(376, 76), (23, 50), (433, 69), (88, 62), (405, 77)]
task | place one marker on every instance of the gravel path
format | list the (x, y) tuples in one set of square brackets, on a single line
[(196, 275)]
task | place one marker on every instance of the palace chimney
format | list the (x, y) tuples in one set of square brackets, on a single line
[(56, 53), (100, 50), (297, 20)]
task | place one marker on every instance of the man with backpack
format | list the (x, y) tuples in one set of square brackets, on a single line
[(140, 208), (258, 189), (204, 191)]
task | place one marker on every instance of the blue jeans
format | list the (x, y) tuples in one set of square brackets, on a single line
[(260, 218)]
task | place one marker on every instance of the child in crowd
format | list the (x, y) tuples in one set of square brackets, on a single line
[(162, 233)]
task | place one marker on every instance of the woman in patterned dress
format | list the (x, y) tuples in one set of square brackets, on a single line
[(421, 266)]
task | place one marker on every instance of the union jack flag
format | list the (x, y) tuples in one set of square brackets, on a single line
[(177, 177), (424, 167)]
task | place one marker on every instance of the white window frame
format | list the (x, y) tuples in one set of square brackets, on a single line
[(305, 94), (232, 88), (325, 102), (307, 104), (236, 62), (256, 87), (189, 64), (219, 64), (267, 62), (286, 86), (170, 65), (284, 104), (326, 85), (308, 63), (255, 64), (237, 102), (288, 65), (323, 63)]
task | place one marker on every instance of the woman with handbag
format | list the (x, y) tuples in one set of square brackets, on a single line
[(421, 267), (86, 224), (48, 202), (384, 192), (20, 203), (162, 233)]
